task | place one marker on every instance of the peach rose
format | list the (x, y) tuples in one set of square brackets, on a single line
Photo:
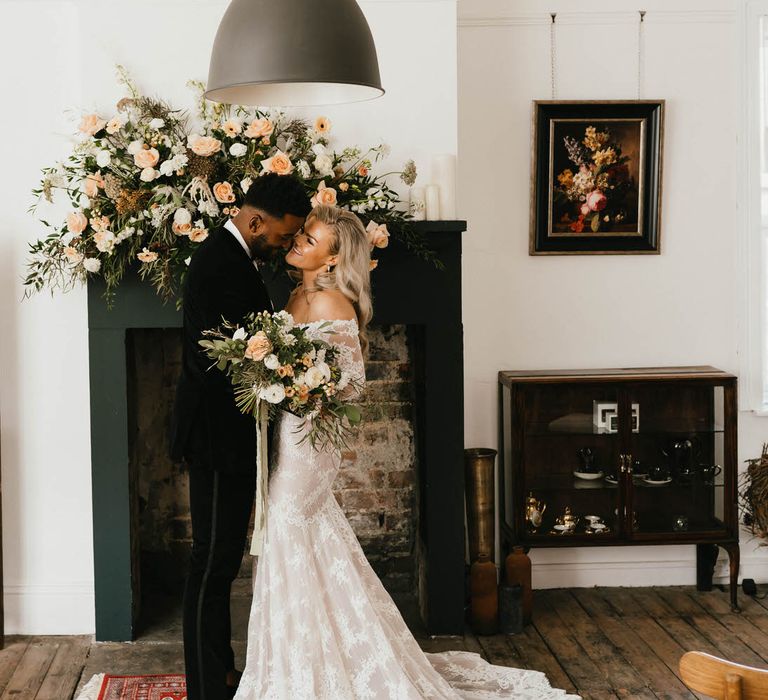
[(223, 192), (76, 222), (278, 163), (322, 125), (147, 256), (285, 371), (100, 223), (373, 264), (303, 393), (234, 211), (91, 124), (325, 196), (114, 125), (378, 236), (92, 183), (146, 158), (184, 229), (362, 171), (231, 127), (259, 128), (258, 347), (73, 255), (205, 145), (198, 235), (343, 186)]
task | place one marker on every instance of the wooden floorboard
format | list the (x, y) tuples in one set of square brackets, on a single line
[(600, 643)]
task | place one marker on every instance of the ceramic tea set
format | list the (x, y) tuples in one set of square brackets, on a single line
[(679, 464)]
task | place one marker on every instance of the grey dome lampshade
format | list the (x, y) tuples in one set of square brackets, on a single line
[(293, 53)]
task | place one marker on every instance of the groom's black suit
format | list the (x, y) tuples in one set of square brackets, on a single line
[(219, 444)]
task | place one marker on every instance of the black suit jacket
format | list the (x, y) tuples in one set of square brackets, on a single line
[(207, 427)]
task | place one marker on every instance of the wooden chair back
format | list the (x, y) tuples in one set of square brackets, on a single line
[(723, 680)]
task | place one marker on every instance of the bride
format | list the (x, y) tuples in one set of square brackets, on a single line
[(322, 626)]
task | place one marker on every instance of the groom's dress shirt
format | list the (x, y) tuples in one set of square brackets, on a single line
[(230, 226)]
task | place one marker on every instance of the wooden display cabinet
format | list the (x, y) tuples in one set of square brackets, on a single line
[(663, 469)]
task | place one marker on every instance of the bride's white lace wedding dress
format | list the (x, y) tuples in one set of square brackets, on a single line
[(322, 626)]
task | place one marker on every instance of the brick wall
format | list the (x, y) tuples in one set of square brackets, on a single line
[(377, 486)]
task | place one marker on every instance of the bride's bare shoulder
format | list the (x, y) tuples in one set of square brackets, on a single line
[(330, 305)]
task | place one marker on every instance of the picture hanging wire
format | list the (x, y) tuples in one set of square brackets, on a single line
[(640, 25), (553, 15)]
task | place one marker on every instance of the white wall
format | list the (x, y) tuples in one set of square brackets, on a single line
[(59, 55), (523, 312)]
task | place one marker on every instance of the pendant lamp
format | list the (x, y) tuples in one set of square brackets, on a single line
[(283, 53)]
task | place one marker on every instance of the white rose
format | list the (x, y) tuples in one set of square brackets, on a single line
[(325, 369), (92, 264), (324, 165), (148, 174), (103, 158), (238, 149), (156, 123), (271, 361), (274, 393), (167, 168), (135, 146), (245, 184), (314, 377), (240, 334), (182, 216)]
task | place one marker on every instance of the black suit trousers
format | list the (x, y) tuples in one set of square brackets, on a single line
[(220, 504)]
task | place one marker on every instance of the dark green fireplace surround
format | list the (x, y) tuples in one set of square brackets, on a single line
[(406, 291)]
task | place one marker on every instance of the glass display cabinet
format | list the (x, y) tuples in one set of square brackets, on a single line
[(621, 457)]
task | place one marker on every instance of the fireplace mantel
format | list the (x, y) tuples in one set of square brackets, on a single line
[(406, 291)]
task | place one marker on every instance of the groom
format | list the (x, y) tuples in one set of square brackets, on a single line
[(209, 432)]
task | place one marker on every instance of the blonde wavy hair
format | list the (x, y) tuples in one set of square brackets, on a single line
[(351, 275)]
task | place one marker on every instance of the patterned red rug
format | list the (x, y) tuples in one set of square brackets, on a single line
[(166, 687)]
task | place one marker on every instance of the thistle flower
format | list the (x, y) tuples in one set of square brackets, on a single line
[(408, 176)]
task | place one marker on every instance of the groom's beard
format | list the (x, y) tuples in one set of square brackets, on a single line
[(261, 250)]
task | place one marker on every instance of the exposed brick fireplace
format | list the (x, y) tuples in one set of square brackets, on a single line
[(401, 484), (377, 485)]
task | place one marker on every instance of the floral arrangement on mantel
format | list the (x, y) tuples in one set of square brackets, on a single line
[(753, 495), (146, 189)]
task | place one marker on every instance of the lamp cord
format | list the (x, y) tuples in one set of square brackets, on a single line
[(552, 53), (640, 25)]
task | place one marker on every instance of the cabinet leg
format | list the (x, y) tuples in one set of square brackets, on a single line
[(733, 560), (706, 556)]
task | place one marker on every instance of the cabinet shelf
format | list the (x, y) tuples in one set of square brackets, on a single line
[(676, 418)]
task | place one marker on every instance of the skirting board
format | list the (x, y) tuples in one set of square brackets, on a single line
[(639, 566), (49, 609)]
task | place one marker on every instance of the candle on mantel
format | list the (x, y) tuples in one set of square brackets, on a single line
[(418, 204), (444, 174), (432, 196)]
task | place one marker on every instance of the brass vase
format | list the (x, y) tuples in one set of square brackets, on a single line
[(479, 491)]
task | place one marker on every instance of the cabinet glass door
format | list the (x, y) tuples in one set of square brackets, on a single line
[(677, 456), (569, 462)]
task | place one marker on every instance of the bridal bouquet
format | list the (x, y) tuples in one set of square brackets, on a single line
[(274, 365), (145, 185)]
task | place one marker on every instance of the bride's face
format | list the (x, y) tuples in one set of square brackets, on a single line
[(312, 247)]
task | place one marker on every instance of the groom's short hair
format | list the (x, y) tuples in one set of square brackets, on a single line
[(278, 195)]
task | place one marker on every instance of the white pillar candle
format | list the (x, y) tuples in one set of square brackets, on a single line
[(418, 204), (444, 174), (432, 199)]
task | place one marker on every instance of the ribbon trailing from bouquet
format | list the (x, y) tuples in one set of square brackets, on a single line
[(262, 479)]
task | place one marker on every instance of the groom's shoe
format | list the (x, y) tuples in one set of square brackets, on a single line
[(236, 676)]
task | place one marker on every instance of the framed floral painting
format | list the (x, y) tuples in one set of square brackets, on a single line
[(596, 177)]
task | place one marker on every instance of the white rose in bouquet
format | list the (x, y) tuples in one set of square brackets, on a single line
[(135, 146), (238, 149), (271, 361), (103, 158), (274, 393), (314, 377)]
